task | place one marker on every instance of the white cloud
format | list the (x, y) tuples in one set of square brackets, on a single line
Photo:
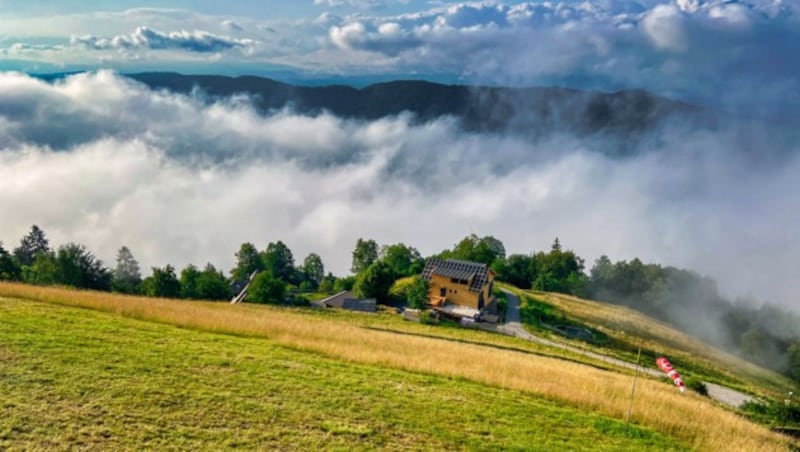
[(348, 36), (710, 52), (705, 52), (147, 38), (664, 26), (732, 13), (106, 162)]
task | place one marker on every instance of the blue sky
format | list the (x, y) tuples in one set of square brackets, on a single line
[(262, 9), (704, 51)]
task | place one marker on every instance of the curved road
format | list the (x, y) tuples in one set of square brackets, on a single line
[(513, 327)]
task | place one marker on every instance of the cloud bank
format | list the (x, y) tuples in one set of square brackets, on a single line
[(702, 51), (106, 162), (735, 55), (147, 38)]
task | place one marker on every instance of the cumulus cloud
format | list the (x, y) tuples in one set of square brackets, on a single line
[(106, 162), (21, 48), (705, 52), (710, 52), (148, 38), (664, 26)]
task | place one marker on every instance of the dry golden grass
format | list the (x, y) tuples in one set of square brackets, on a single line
[(625, 323), (690, 418)]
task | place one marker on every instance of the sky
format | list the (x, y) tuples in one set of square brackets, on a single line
[(697, 50), (101, 160)]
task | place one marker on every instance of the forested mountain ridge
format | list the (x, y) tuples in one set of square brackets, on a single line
[(535, 110)]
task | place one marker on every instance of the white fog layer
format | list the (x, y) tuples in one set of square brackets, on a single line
[(106, 162)]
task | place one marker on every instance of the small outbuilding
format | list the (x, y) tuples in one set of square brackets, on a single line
[(346, 300)]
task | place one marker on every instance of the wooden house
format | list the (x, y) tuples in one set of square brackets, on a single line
[(457, 282)]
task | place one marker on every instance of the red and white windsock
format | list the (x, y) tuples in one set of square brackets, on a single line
[(664, 365)]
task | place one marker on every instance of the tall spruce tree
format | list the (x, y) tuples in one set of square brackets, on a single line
[(32, 245)]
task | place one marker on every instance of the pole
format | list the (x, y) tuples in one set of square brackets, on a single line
[(633, 388)]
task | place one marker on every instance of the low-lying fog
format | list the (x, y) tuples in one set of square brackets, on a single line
[(103, 161)]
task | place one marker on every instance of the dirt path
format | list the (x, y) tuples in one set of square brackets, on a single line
[(513, 327)]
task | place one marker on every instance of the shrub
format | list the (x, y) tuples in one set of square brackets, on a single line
[(428, 318), (374, 282), (266, 289), (783, 412), (697, 386), (299, 300), (417, 293), (305, 287), (343, 284)]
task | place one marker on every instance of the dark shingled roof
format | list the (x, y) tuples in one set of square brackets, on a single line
[(477, 274)]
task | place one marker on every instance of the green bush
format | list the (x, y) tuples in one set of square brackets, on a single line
[(785, 412), (266, 289), (697, 386), (417, 293), (343, 284), (299, 300), (374, 282), (428, 318), (306, 287)]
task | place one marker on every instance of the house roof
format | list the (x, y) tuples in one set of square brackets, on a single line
[(476, 273), (346, 300)]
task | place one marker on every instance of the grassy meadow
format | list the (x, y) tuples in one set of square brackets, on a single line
[(75, 378), (286, 378)]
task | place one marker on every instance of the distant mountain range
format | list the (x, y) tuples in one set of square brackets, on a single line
[(619, 120), (531, 111)]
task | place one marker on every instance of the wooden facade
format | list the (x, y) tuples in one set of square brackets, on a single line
[(458, 282)]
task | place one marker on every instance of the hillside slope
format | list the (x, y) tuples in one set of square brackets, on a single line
[(630, 329), (79, 379), (701, 424)]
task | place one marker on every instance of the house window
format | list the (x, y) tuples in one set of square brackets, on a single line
[(443, 292)]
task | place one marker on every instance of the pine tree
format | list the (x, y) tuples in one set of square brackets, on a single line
[(31, 245)]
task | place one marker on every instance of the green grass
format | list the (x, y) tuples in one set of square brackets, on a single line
[(539, 316), (74, 378)]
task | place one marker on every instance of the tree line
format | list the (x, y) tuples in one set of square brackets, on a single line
[(759, 332), (277, 278)]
